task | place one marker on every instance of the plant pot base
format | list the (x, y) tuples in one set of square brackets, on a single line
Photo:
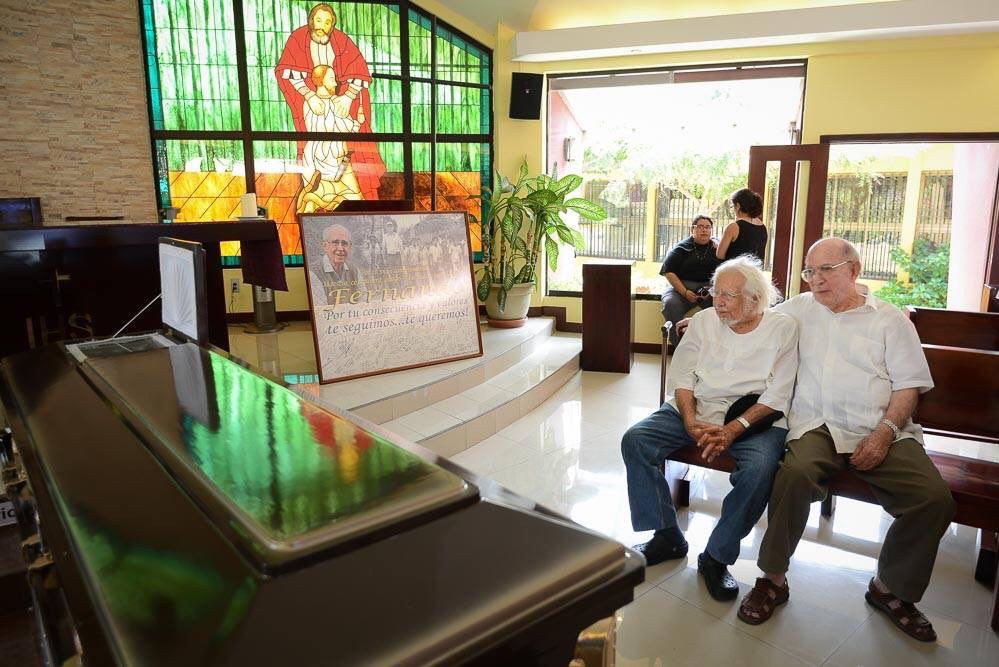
[(507, 324)]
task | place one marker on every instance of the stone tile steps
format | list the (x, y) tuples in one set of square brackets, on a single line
[(383, 398), (455, 423)]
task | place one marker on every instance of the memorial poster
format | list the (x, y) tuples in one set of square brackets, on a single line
[(389, 291)]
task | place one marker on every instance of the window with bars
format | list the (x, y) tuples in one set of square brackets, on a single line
[(936, 202), (868, 211), (243, 96)]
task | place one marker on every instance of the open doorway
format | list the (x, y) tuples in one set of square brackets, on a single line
[(919, 211), (656, 148)]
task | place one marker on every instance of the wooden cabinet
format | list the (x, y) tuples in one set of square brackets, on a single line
[(608, 318)]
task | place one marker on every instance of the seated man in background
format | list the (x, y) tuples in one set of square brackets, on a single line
[(861, 371), (737, 351)]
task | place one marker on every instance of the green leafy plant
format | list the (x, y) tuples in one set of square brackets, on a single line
[(927, 267), (520, 217)]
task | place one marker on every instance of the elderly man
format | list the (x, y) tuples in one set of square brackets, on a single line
[(337, 274), (861, 371), (738, 351)]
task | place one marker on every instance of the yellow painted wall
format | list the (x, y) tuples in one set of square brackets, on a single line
[(933, 84), (296, 298)]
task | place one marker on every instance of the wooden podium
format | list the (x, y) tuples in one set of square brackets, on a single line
[(608, 318)]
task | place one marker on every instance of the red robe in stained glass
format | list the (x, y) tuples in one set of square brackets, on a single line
[(348, 64)]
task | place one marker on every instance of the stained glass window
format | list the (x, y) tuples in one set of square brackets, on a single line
[(194, 49), (296, 85), (461, 171)]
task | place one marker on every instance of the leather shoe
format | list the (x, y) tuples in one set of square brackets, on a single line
[(721, 585), (660, 549)]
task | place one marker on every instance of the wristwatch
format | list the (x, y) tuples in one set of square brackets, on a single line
[(743, 421), (895, 430)]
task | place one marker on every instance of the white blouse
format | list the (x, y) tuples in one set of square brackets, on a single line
[(850, 363), (721, 366)]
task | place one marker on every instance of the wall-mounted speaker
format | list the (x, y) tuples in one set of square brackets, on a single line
[(525, 96)]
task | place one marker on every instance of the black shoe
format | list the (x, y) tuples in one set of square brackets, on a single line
[(720, 583), (660, 549)]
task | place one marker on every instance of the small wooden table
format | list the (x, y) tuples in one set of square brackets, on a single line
[(608, 318)]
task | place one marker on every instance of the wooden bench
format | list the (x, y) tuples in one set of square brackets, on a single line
[(964, 403), (955, 328)]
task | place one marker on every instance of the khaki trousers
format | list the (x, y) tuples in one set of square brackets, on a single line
[(906, 484)]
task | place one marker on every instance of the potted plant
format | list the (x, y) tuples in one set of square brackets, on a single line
[(520, 217)]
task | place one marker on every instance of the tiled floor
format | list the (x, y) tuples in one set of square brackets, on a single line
[(565, 454)]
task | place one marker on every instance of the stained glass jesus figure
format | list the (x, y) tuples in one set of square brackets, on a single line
[(320, 43)]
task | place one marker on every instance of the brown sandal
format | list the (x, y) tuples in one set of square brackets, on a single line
[(903, 614), (759, 605)]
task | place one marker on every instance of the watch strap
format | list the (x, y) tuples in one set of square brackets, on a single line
[(895, 430)]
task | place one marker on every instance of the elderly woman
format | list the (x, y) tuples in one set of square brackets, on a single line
[(688, 269), (738, 351)]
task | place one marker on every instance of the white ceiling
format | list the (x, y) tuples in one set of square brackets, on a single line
[(549, 30), (901, 18), (522, 15)]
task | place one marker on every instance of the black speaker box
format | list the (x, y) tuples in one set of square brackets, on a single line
[(525, 96)]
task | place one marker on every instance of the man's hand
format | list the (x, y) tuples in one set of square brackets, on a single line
[(713, 444), (698, 429), (682, 325), (690, 295), (341, 105), (317, 104), (872, 450)]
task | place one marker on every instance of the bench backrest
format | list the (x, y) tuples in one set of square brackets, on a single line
[(965, 397), (956, 328)]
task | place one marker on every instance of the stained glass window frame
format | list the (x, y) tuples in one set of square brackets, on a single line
[(410, 15)]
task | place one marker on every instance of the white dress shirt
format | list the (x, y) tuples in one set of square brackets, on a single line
[(849, 365), (721, 366)]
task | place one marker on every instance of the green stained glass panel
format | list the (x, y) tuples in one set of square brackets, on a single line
[(419, 107), (191, 55), (386, 105), (462, 157), (462, 110), (419, 45), (460, 61)]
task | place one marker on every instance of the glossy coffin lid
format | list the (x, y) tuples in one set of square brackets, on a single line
[(281, 477)]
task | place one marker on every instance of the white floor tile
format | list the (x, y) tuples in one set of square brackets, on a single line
[(878, 642), (660, 629)]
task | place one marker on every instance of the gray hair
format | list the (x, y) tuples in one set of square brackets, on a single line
[(328, 232), (760, 293)]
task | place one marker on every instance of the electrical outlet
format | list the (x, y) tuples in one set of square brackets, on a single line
[(234, 286)]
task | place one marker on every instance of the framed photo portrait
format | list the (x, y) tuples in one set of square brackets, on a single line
[(389, 291)]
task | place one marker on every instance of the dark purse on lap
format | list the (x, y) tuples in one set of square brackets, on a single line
[(743, 404)]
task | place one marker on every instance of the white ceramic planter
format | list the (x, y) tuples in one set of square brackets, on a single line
[(518, 302)]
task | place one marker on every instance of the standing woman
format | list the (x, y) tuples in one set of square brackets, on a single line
[(747, 235)]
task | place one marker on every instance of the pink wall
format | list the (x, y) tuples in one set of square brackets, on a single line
[(976, 167), (562, 124)]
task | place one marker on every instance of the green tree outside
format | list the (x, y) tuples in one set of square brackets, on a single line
[(927, 267)]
